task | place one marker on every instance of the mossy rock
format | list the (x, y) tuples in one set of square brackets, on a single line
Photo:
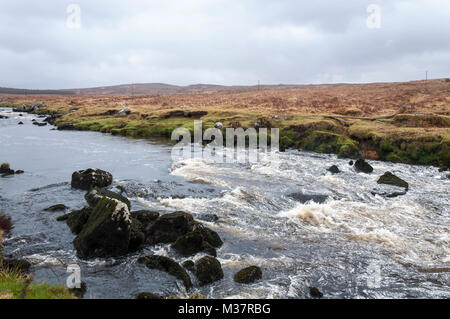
[(198, 240), (248, 275), (106, 232), (137, 235), (146, 217), (390, 179), (148, 295), (168, 265), (91, 177), (77, 219), (208, 270), (96, 194), (168, 227), (362, 166)]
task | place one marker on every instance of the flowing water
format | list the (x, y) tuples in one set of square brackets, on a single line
[(349, 242)]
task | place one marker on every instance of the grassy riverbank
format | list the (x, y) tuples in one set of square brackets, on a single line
[(398, 122)]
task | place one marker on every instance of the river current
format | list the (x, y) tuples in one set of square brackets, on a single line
[(349, 242)]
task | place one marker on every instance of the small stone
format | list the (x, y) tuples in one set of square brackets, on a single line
[(148, 295), (334, 169), (362, 166)]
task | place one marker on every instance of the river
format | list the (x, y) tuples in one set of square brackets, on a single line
[(354, 244)]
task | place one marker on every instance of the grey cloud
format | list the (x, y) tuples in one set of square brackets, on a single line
[(224, 42)]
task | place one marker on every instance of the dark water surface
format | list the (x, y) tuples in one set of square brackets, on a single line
[(353, 245)]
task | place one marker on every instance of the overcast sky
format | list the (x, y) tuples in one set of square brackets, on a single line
[(220, 42)]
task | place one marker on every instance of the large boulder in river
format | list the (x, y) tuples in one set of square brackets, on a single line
[(248, 275), (208, 270), (96, 194), (197, 240), (362, 166), (91, 177), (188, 236), (107, 231), (390, 179), (169, 227), (168, 265)]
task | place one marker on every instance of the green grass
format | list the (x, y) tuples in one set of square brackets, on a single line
[(12, 285)]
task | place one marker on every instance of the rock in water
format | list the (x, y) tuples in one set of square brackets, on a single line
[(169, 227), (189, 265), (56, 208), (91, 177), (76, 219), (198, 240), (362, 166), (248, 275), (106, 232), (208, 270), (148, 295), (168, 265), (315, 292), (145, 216), (304, 198), (334, 169), (390, 179), (96, 194)]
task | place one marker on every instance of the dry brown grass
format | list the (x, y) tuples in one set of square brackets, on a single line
[(358, 99)]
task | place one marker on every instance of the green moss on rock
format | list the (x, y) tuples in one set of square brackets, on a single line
[(390, 179), (106, 232), (208, 270), (248, 275)]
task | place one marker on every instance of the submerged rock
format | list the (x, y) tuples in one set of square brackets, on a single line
[(106, 232), (56, 208), (168, 265), (91, 177), (96, 194), (148, 295), (362, 166), (20, 123), (189, 265), (208, 270), (390, 179), (334, 169), (304, 198), (248, 275)]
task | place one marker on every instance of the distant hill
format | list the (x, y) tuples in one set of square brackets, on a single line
[(33, 92), (155, 88)]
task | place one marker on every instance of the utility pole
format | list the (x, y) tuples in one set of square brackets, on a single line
[(259, 85)]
